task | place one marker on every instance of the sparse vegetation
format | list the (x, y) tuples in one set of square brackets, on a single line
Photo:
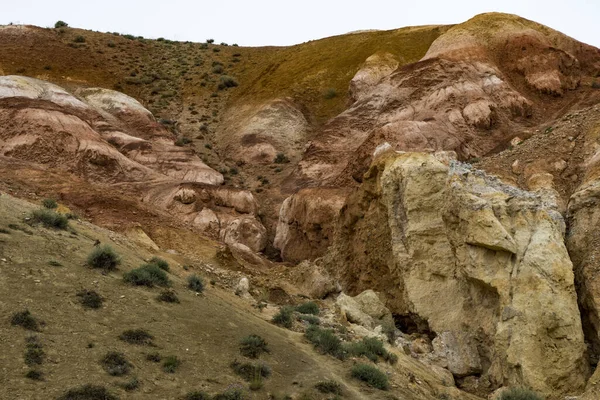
[(252, 346), (49, 218), (371, 348), (230, 394), (249, 371), (79, 39), (596, 85), (54, 263), (149, 275), (131, 384), (195, 283), (103, 257), (115, 364), (325, 341), (90, 299), (88, 392), (281, 158), (34, 353), (170, 364), (197, 395), (311, 319), (227, 82), (25, 320), (49, 203), (61, 24), (329, 387), (34, 375), (160, 263), (153, 357), (309, 307), (168, 296), (137, 336), (371, 376), (182, 141), (330, 93), (284, 317), (519, 393)]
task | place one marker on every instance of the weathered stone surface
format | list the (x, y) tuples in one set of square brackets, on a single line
[(366, 309), (312, 280), (306, 223), (482, 262), (375, 68)]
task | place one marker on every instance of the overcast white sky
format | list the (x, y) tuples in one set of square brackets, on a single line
[(271, 22)]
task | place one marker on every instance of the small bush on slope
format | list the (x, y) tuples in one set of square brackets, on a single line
[(103, 257), (371, 376)]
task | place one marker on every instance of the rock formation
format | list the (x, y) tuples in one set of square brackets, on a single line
[(482, 263)]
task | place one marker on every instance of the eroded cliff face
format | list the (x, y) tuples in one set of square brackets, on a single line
[(482, 265)]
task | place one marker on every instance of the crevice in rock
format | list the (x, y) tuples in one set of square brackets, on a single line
[(413, 323)]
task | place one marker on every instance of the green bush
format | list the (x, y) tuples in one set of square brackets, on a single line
[(227, 82), (90, 299), (210, 41), (34, 354), (372, 349), (253, 346), (103, 257), (168, 296), (519, 393), (131, 384), (79, 39), (311, 319), (88, 392), (329, 387), (371, 376), (160, 263), (25, 320), (170, 364), (61, 24), (115, 364), (149, 275), (137, 336), (195, 283), (50, 219), (281, 158), (309, 307), (284, 317), (34, 375), (249, 371), (330, 93), (325, 341), (49, 203), (197, 395), (182, 141)]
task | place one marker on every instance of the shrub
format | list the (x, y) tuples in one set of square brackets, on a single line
[(519, 393), (330, 93), (309, 307), (160, 263), (131, 384), (596, 85), (371, 376), (61, 24), (154, 357), (49, 203), (284, 317), (195, 283), (171, 364), (281, 158), (182, 141), (79, 39), (227, 82), (137, 336), (50, 219), (90, 299), (197, 395), (34, 375), (311, 319), (325, 341), (217, 69), (208, 146), (88, 392), (329, 387), (210, 41), (103, 257), (148, 275), (54, 263), (230, 394), (25, 319), (34, 354), (253, 346), (115, 364), (168, 296), (249, 371)]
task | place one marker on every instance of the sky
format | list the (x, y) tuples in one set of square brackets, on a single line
[(267, 22)]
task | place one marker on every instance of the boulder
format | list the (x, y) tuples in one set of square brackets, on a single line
[(365, 309)]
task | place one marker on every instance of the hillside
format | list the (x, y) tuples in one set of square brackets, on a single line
[(433, 189)]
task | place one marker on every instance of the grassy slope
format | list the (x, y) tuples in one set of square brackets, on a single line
[(203, 331)]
